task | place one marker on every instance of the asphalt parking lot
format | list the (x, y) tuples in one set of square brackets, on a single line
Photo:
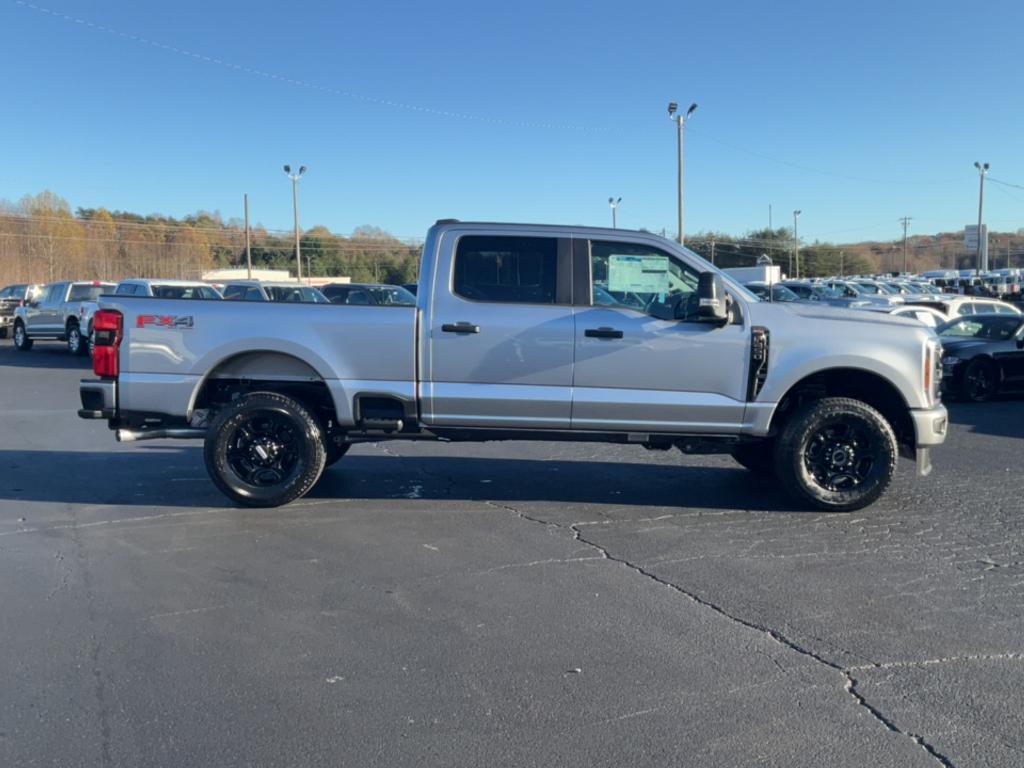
[(526, 604)]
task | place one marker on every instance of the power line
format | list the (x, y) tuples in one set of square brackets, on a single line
[(186, 53)]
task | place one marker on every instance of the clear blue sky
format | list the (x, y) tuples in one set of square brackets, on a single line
[(889, 103)]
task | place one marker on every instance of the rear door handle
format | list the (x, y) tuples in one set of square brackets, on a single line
[(460, 328), (603, 332)]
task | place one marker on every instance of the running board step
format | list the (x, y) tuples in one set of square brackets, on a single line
[(382, 425)]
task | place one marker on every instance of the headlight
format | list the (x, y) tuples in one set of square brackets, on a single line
[(950, 360)]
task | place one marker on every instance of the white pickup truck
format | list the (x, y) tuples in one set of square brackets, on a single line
[(528, 332)]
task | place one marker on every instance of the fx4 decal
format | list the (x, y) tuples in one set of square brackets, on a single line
[(163, 321)]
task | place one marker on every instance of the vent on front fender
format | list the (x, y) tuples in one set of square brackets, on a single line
[(759, 342)]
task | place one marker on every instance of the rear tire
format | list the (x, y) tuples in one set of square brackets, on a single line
[(758, 457), (836, 454), (265, 450), (22, 342), (76, 343)]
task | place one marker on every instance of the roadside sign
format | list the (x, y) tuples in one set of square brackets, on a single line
[(971, 236)]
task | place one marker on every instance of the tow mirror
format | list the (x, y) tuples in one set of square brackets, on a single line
[(713, 304)]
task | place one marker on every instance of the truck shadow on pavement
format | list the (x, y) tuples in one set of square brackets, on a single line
[(43, 355), (174, 476), (1003, 417), (501, 480)]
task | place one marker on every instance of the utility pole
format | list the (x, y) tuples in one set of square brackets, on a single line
[(796, 243), (981, 264), (248, 248), (712, 250), (680, 121), (906, 223), (614, 206), (295, 203), (841, 271), (771, 232)]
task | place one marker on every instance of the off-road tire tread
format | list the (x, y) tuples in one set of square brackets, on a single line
[(216, 461), (789, 465)]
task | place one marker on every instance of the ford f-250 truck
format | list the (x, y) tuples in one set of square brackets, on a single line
[(528, 332)]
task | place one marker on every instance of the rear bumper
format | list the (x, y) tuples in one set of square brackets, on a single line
[(99, 398)]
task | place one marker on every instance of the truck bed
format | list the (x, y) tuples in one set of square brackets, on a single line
[(171, 347)]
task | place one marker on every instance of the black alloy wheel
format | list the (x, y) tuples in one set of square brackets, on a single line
[(836, 454), (981, 381), (265, 450)]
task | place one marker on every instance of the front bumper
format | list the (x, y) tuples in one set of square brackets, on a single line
[(930, 428), (6, 321), (99, 398)]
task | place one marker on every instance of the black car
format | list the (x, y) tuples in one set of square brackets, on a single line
[(362, 293), (982, 355), (10, 297)]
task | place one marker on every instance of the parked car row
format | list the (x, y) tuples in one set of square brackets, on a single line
[(63, 311)]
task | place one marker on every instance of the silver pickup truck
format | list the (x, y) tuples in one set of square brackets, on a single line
[(528, 332), (59, 311)]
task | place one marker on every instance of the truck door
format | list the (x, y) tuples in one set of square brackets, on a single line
[(44, 318), (501, 333), (638, 367)]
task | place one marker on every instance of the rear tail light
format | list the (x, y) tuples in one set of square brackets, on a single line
[(107, 332)]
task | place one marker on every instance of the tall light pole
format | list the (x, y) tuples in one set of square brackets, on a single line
[(295, 202), (905, 221), (981, 265), (796, 243), (614, 203), (680, 120)]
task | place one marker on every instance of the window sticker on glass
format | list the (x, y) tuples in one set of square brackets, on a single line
[(638, 274)]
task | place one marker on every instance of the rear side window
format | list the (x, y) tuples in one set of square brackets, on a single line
[(513, 270), (234, 291), (87, 292), (125, 289)]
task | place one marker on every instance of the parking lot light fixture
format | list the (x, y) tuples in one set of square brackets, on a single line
[(796, 244), (295, 204), (680, 120), (614, 203)]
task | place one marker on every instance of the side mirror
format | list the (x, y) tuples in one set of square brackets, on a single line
[(713, 304), (1020, 343)]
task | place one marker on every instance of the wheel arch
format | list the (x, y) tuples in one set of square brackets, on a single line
[(855, 383), (265, 370)]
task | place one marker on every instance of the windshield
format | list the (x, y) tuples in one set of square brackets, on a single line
[(184, 292), (869, 288), (298, 294), (990, 328), (779, 292), (393, 294)]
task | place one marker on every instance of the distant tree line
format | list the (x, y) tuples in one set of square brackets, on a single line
[(42, 240)]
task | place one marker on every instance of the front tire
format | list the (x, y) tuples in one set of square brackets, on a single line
[(265, 450), (836, 454), (981, 381), (22, 342)]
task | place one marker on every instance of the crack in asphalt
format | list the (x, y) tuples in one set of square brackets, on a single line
[(850, 683)]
